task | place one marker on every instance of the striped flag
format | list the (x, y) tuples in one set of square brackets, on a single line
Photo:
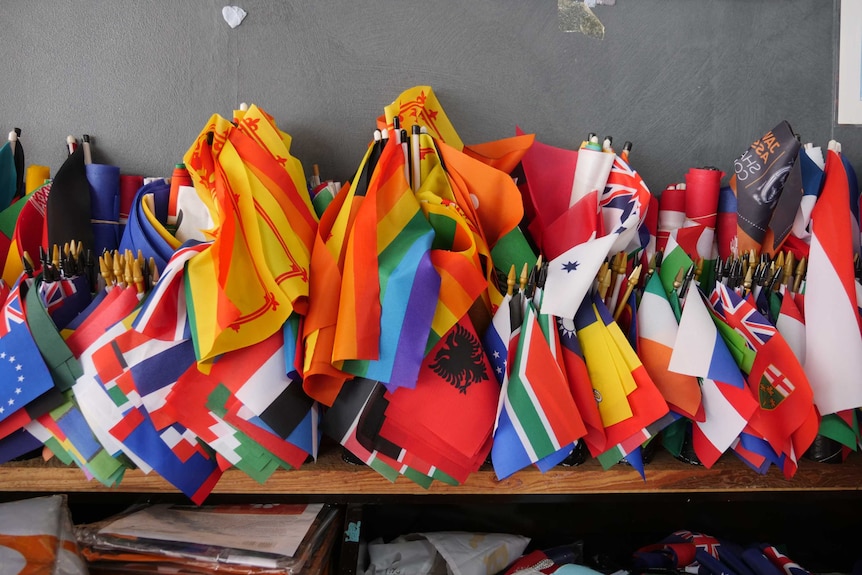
[(342, 420), (671, 215), (833, 342), (323, 380), (649, 411), (538, 401), (383, 323), (657, 337)]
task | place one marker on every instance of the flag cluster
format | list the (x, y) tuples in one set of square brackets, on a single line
[(231, 314)]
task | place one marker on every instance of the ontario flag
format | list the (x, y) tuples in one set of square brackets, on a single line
[(787, 418), (833, 357)]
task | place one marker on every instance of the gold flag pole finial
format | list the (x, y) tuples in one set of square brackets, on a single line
[(630, 285), (510, 281)]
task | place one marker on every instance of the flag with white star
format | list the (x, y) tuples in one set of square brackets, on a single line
[(23, 374)]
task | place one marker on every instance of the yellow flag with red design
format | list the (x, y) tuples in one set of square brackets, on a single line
[(254, 274), (419, 106)]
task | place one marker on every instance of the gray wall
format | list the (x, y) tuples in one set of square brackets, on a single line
[(690, 82)]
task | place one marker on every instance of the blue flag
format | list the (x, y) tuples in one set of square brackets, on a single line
[(23, 374)]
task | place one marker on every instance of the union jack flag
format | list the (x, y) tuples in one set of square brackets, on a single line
[(625, 195), (706, 542), (742, 316), (53, 293), (783, 562), (13, 312)]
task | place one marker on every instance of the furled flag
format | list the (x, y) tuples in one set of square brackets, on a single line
[(323, 380), (671, 215), (725, 224), (461, 257), (786, 209), (255, 272), (490, 202), (833, 357), (69, 211), (591, 173), (811, 164), (758, 181), (697, 234), (727, 403), (8, 176), (26, 235), (675, 265), (104, 181), (146, 229)]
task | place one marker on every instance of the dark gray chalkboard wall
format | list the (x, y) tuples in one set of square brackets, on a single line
[(690, 82)]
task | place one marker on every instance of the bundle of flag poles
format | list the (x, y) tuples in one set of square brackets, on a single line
[(447, 304)]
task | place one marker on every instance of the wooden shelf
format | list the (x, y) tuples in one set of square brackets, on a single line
[(332, 476)]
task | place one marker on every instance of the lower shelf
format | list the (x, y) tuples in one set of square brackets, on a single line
[(330, 475)]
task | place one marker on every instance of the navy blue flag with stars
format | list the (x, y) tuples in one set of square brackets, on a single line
[(23, 373)]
